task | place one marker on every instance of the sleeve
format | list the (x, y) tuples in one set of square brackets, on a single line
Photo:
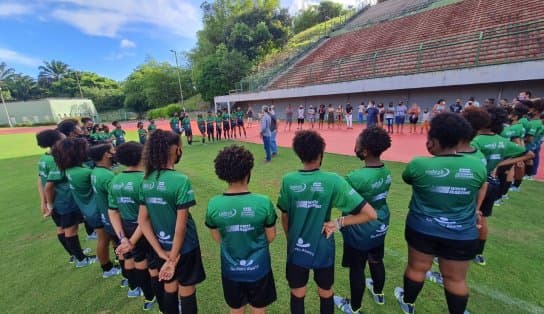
[(270, 215), (345, 198), (283, 202), (55, 174), (141, 198), (112, 201), (407, 174), (185, 197), (208, 221), (513, 150)]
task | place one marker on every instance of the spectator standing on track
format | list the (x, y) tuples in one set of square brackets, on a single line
[(361, 112), (288, 117), (349, 116), (413, 117), (381, 114), (300, 117), (372, 114), (472, 102), (249, 115), (456, 107), (266, 122), (400, 116), (311, 116), (321, 111), (439, 107)]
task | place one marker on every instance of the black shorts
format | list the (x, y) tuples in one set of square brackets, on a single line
[(356, 258), (413, 119), (493, 193), (188, 132), (202, 129), (189, 270), (141, 248), (210, 128), (240, 122), (218, 129), (226, 126), (300, 121), (298, 276), (260, 293), (455, 250), (66, 220)]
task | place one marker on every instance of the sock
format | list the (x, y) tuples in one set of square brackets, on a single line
[(456, 303), (131, 277), (411, 290), (144, 281), (158, 289), (62, 240), (377, 272), (171, 303), (297, 305), (107, 267), (123, 270), (356, 285), (326, 305), (75, 247), (188, 304), (481, 246), (517, 183), (88, 228), (528, 169)]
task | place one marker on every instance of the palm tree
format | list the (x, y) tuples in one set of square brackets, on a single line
[(23, 87), (52, 71), (5, 73)]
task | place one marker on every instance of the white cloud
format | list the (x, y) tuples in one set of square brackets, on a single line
[(115, 56), (13, 57), (12, 9), (109, 18), (125, 43)]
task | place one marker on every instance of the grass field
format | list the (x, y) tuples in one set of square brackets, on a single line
[(38, 278)]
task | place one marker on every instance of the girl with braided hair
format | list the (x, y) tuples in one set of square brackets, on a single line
[(165, 198)]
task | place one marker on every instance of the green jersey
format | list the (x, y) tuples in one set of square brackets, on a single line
[(174, 123), (241, 220), (476, 154), (218, 120), (119, 135), (373, 184), (536, 131), (525, 123), (48, 171), (496, 148), (124, 194), (142, 135), (101, 180), (239, 115), (513, 131), (307, 197), (186, 123), (210, 120), (151, 128), (164, 193), (82, 190), (444, 195), (225, 116)]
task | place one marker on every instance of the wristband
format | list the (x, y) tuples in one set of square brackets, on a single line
[(49, 206), (337, 224)]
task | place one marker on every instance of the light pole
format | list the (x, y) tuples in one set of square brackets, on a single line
[(5, 108), (179, 76)]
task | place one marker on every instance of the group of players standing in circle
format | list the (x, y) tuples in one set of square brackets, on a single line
[(144, 212)]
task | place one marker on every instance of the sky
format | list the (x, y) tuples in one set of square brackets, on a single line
[(108, 37)]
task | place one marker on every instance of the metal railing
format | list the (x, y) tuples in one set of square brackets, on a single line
[(506, 44)]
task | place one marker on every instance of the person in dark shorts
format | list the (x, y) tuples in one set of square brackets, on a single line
[(186, 125), (218, 124), (142, 133), (364, 243), (442, 217), (165, 198), (306, 198), (321, 112), (133, 249), (413, 117), (225, 116), (330, 116), (57, 201), (201, 123), (240, 121), (210, 119), (245, 258)]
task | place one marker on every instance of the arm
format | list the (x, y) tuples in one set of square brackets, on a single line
[(285, 223), (49, 191), (179, 233), (511, 161), (366, 214), (43, 200), (481, 196), (216, 236), (147, 230), (271, 233)]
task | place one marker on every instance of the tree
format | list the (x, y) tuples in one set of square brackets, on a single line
[(221, 71), (23, 87), (5, 75), (52, 71)]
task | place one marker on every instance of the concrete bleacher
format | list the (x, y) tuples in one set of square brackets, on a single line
[(464, 34)]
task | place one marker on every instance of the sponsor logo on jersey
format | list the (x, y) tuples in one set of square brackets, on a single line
[(378, 184), (464, 173), (148, 185), (380, 232), (163, 236), (240, 228), (228, 213), (247, 212), (156, 200), (495, 157), (308, 204), (380, 196), (438, 173), (129, 187), (302, 247), (446, 223), (352, 191), (301, 244), (117, 186), (298, 188), (246, 262), (161, 186), (125, 200), (317, 187), (450, 190)]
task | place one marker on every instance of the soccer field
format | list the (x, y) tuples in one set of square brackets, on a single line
[(37, 277)]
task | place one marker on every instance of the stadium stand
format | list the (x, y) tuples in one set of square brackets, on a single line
[(464, 34)]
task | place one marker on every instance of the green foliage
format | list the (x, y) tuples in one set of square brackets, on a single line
[(220, 71), (316, 14), (105, 99), (194, 103), (153, 85), (23, 87), (51, 72)]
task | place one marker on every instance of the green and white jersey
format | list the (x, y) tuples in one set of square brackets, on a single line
[(513, 131), (151, 128), (174, 123), (210, 120), (124, 194), (119, 135), (186, 123), (239, 115), (165, 192), (82, 190), (225, 116), (536, 130), (525, 123), (101, 181), (496, 149), (308, 197), (477, 154), (48, 171), (373, 184), (142, 135), (218, 120), (241, 220), (444, 195)]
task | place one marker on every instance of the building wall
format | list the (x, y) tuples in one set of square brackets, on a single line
[(46, 110)]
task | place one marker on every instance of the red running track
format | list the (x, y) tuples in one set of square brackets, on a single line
[(338, 140)]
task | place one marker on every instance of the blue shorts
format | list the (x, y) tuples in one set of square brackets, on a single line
[(399, 120)]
